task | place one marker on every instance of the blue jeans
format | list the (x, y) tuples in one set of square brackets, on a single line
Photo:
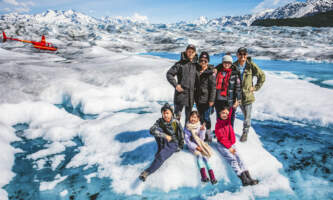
[(233, 159), (165, 152), (204, 112), (246, 109)]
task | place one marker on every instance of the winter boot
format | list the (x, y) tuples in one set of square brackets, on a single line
[(143, 176), (204, 177), (253, 181), (212, 177), (243, 137), (245, 180)]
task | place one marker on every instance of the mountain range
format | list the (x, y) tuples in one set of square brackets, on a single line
[(73, 32), (291, 10)]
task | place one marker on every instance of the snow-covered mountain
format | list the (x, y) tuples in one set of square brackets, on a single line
[(300, 9), (291, 10)]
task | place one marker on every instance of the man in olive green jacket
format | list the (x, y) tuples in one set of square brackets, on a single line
[(247, 70)]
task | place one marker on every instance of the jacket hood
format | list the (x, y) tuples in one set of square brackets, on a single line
[(183, 58)]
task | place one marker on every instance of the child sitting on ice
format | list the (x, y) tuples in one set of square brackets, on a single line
[(194, 137), (226, 138), (169, 137)]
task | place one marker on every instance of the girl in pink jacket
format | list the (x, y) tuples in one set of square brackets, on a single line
[(226, 139)]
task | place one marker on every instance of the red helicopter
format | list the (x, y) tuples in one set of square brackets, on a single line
[(43, 45)]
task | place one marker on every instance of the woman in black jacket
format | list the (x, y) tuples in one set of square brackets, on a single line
[(205, 91)]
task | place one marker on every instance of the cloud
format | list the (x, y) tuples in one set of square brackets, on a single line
[(6, 10), (11, 2), (270, 4), (19, 7), (22, 10)]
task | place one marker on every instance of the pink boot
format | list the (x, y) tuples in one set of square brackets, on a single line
[(212, 177), (204, 177)]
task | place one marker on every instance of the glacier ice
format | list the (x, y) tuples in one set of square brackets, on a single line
[(87, 108)]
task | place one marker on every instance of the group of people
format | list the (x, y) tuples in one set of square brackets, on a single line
[(224, 87)]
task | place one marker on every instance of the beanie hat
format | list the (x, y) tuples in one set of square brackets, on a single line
[(204, 54), (165, 107), (227, 58), (191, 46), (242, 49)]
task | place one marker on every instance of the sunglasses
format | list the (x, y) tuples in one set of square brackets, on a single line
[(203, 61)]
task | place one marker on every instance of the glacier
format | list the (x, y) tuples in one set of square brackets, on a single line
[(74, 124), (73, 32)]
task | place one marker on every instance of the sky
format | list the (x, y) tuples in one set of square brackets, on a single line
[(166, 11)]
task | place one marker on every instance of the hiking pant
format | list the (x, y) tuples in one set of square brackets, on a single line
[(204, 112), (202, 162), (233, 159), (179, 109), (246, 109), (165, 152), (218, 108)]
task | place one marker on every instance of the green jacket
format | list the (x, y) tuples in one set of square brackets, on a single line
[(251, 70)]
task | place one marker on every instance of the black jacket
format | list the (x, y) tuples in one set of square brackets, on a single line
[(205, 85), (186, 75), (174, 129), (234, 88)]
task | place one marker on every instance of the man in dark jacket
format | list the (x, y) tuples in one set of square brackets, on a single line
[(185, 70), (169, 136), (205, 91)]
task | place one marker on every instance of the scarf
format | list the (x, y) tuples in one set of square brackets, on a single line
[(222, 82), (206, 150), (169, 128)]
